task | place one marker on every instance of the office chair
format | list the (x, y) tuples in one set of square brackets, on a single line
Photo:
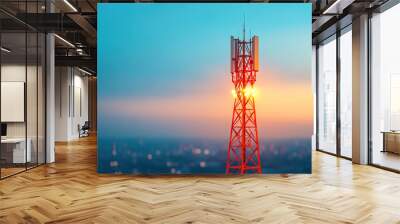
[(84, 130)]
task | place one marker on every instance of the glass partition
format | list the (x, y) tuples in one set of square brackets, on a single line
[(14, 153), (41, 91), (22, 91), (31, 99)]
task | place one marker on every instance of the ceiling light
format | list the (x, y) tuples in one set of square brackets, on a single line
[(70, 5), (79, 51), (5, 50), (84, 71), (65, 41), (338, 6), (331, 7)]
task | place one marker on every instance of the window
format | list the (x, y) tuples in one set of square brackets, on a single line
[(346, 92), (385, 89), (327, 96)]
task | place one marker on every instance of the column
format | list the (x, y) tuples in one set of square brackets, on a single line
[(360, 90)]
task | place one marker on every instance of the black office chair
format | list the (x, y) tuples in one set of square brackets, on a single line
[(84, 130)]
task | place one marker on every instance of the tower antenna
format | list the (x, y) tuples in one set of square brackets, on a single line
[(244, 149), (249, 32), (244, 26)]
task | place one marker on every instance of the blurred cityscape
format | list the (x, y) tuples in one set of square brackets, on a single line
[(196, 156)]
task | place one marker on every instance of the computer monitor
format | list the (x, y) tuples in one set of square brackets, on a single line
[(3, 129)]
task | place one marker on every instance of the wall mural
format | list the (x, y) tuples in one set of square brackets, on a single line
[(204, 88)]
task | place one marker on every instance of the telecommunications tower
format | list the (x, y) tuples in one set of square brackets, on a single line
[(244, 149)]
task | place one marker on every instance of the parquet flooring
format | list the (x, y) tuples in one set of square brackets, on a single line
[(70, 191), (10, 171)]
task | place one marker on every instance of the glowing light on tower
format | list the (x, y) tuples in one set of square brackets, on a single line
[(244, 149)]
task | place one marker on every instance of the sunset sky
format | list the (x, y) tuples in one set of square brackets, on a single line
[(164, 69)]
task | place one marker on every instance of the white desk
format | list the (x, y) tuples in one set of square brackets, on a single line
[(19, 153)]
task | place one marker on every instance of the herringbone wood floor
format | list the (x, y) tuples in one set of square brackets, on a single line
[(70, 191)]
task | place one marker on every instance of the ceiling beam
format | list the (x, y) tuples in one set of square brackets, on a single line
[(78, 61), (85, 25)]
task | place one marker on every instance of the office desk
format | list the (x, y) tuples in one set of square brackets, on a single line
[(16, 147), (391, 142)]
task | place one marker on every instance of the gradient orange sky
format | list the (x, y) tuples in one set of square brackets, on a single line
[(284, 109)]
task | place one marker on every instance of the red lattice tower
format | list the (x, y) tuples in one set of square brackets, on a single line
[(244, 149)]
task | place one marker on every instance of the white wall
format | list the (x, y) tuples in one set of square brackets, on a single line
[(62, 81), (12, 73), (71, 102), (33, 127), (80, 110)]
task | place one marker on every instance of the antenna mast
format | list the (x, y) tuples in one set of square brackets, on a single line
[(243, 149)]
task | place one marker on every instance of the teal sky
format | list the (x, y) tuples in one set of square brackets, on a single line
[(165, 50), (154, 43)]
